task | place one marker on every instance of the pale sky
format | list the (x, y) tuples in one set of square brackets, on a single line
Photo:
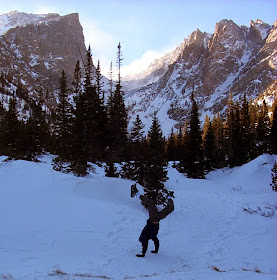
[(145, 28)]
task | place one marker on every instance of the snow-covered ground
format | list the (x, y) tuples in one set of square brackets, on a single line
[(57, 226)]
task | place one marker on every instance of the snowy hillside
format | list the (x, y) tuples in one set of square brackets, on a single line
[(14, 19), (57, 226), (237, 59)]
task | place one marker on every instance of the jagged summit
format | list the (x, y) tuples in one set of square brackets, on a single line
[(15, 19), (35, 49), (237, 59)]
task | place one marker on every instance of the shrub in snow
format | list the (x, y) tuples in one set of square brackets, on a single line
[(111, 171), (274, 177)]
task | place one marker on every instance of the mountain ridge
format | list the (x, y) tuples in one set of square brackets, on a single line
[(238, 59), (234, 58), (34, 54)]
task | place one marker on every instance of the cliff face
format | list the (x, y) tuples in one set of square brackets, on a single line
[(234, 58), (238, 59), (36, 48)]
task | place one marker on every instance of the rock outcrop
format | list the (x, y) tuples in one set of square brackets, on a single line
[(234, 58), (36, 48)]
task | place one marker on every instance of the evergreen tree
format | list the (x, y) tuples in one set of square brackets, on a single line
[(37, 131), (193, 163), (253, 116), (2, 125), (111, 78), (246, 144), (136, 140), (95, 120), (63, 126), (208, 140), (77, 82), (12, 129), (274, 177), (273, 130), (137, 130), (119, 63), (110, 170), (136, 152), (118, 126), (80, 157), (171, 147), (181, 143), (99, 82), (232, 136), (263, 129), (89, 70), (117, 118), (218, 132), (155, 169)]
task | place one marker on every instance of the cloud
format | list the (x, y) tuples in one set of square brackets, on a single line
[(43, 9), (102, 43), (141, 64)]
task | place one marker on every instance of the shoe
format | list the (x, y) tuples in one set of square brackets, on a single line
[(140, 255), (154, 252)]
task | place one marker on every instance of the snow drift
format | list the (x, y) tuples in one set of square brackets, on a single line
[(57, 226)]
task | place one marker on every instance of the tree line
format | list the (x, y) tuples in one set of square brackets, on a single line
[(88, 127)]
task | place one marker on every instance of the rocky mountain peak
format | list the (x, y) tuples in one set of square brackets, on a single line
[(196, 37), (262, 28), (227, 35), (237, 59), (36, 48), (15, 19)]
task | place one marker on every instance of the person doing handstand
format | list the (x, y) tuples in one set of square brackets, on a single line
[(150, 231)]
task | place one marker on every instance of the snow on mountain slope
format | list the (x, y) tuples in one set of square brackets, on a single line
[(237, 59), (14, 19), (57, 226), (34, 51)]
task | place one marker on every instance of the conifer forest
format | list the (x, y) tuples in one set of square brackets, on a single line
[(89, 125)]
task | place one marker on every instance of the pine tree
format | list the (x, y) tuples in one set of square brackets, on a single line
[(63, 126), (117, 118), (253, 116), (89, 70), (232, 133), (37, 131), (132, 169), (137, 130), (181, 143), (135, 150), (274, 177), (12, 129), (2, 125), (208, 140), (99, 82), (80, 157), (193, 163), (111, 78), (246, 144), (171, 147), (77, 82), (273, 130), (118, 125), (263, 129), (95, 120), (155, 168), (220, 151), (119, 63), (111, 171)]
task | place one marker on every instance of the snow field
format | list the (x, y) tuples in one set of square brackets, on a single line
[(57, 226)]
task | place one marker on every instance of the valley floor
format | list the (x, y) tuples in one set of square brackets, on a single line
[(57, 226)]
